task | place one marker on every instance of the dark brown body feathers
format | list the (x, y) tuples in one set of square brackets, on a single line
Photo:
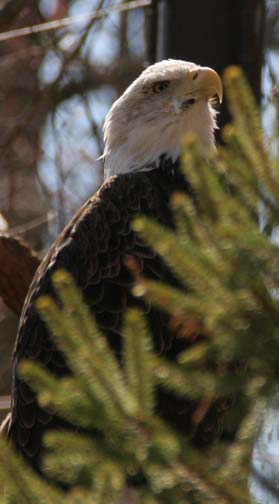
[(93, 248)]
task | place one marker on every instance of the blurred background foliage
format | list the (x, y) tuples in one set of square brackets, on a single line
[(55, 90), (121, 451)]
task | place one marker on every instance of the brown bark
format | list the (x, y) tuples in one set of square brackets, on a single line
[(18, 264)]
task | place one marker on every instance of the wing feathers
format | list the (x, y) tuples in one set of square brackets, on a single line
[(93, 247)]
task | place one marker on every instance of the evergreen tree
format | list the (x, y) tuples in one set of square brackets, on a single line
[(224, 252)]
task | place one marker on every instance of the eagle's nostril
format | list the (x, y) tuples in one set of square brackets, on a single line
[(187, 103)]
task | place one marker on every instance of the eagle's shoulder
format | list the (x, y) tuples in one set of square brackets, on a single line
[(92, 247), (106, 213)]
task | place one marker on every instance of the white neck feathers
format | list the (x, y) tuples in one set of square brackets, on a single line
[(134, 143)]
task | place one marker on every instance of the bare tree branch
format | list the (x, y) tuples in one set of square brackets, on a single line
[(62, 23), (4, 427), (121, 74)]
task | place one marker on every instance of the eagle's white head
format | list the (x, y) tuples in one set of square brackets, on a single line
[(168, 100)]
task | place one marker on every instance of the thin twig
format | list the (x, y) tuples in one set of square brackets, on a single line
[(33, 224), (68, 21)]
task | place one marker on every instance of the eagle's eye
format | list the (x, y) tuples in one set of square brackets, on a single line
[(158, 87)]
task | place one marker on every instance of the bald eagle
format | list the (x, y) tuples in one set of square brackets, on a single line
[(143, 134)]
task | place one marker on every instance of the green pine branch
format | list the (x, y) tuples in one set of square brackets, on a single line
[(228, 266)]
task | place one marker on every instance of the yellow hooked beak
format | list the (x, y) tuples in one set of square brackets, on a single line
[(206, 83)]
